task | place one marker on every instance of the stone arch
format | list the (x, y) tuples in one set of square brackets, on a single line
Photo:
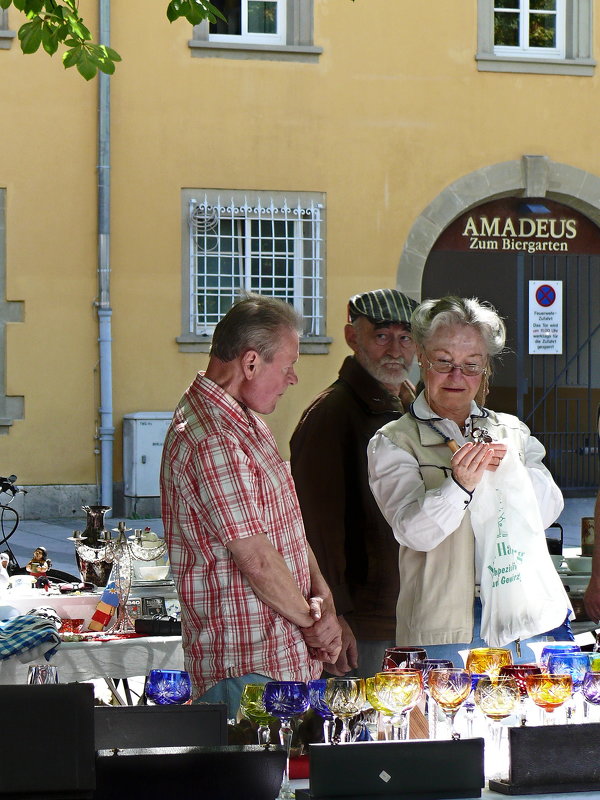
[(529, 176)]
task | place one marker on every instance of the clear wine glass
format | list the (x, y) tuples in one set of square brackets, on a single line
[(345, 698), (549, 692), (253, 708), (520, 672), (469, 704), (488, 660), (316, 698), (286, 699), (399, 691), (450, 688), (497, 698), (168, 687), (403, 657)]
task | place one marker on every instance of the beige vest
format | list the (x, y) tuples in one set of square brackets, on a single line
[(435, 604)]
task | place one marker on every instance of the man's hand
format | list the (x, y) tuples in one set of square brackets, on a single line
[(348, 657), (324, 637)]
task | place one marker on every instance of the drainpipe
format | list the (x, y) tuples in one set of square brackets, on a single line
[(106, 429)]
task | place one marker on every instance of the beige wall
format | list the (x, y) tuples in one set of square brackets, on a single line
[(393, 112)]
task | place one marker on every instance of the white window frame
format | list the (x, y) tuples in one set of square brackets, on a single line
[(294, 41), (577, 46), (256, 38), (6, 35), (523, 49), (221, 223)]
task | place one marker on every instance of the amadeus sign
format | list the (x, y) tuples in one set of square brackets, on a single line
[(515, 225), (524, 233)]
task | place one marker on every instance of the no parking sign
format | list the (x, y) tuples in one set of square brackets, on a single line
[(545, 318)]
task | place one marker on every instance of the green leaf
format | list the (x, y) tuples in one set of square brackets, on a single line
[(112, 54), (77, 27), (215, 11), (49, 38), (30, 35), (33, 6), (19, 4), (87, 66), (72, 57), (173, 10), (106, 66), (5, 3)]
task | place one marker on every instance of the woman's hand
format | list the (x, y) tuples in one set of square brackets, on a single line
[(499, 453), (470, 462)]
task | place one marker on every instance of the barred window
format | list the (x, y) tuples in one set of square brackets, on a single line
[(268, 243)]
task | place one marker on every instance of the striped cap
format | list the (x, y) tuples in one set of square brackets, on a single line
[(381, 305)]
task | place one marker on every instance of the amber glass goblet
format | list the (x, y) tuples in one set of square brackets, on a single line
[(399, 690), (497, 698), (549, 692), (450, 688), (488, 660)]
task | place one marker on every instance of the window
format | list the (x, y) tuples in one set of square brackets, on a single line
[(529, 27), (11, 407), (543, 36), (6, 36), (270, 243), (260, 29), (259, 21)]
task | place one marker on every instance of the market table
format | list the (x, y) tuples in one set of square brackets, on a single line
[(109, 660)]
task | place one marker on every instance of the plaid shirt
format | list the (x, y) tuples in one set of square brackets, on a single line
[(222, 479)]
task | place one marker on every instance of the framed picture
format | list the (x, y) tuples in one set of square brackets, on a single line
[(153, 607), (173, 607), (134, 607)]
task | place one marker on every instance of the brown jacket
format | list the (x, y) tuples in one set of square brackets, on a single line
[(353, 544)]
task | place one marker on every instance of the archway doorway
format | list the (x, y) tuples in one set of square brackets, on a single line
[(494, 251)]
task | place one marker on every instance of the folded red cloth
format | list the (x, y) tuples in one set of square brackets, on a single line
[(299, 767)]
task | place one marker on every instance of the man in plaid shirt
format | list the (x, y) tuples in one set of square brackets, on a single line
[(254, 605)]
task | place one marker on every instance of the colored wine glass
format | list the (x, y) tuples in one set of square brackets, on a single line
[(520, 672), (497, 698), (576, 665), (165, 687), (488, 660), (399, 691), (316, 699), (403, 657), (345, 698), (450, 688), (552, 648), (252, 707), (549, 692), (286, 700), (590, 690)]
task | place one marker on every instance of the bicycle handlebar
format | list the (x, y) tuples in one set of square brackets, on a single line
[(8, 485)]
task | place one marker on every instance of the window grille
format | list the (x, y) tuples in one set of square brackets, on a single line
[(242, 242)]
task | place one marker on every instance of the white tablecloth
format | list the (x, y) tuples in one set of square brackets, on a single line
[(119, 658)]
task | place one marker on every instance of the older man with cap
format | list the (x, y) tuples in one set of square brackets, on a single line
[(352, 542)]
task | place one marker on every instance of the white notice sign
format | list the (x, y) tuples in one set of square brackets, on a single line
[(545, 318)]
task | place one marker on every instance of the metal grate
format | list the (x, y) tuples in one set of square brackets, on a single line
[(246, 242)]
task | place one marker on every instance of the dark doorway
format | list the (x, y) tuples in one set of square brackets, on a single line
[(557, 396)]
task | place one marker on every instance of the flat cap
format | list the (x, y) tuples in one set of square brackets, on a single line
[(381, 305)]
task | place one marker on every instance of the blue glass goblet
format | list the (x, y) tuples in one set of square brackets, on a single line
[(552, 648), (576, 665), (286, 699), (316, 698), (168, 686)]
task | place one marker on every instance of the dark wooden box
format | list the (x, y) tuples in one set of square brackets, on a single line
[(552, 758), (411, 770)]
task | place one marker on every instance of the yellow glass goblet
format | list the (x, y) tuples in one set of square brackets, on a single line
[(399, 690), (488, 660), (253, 708)]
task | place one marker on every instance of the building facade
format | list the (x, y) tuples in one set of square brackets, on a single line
[(309, 148)]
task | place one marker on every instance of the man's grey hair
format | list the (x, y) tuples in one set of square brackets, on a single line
[(254, 323), (450, 310)]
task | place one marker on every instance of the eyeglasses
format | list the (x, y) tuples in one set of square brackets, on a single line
[(444, 367)]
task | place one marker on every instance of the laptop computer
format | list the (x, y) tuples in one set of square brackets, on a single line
[(423, 770)]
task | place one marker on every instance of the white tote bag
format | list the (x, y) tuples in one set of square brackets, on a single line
[(521, 592)]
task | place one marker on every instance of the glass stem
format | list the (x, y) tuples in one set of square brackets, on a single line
[(285, 737), (345, 734), (264, 734), (327, 731)]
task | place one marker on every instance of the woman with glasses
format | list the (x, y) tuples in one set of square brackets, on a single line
[(425, 467)]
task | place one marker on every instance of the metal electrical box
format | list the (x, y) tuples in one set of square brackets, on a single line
[(143, 438)]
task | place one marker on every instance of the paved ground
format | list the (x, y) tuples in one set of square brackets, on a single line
[(52, 534)]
